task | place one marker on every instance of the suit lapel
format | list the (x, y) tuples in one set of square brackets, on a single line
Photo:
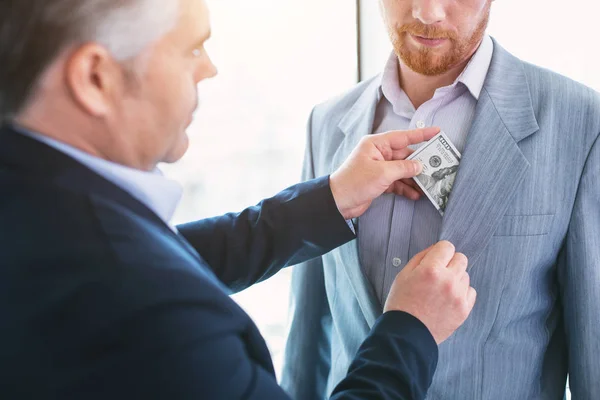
[(356, 124), (493, 166)]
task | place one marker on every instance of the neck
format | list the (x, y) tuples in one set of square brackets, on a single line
[(421, 88), (87, 138)]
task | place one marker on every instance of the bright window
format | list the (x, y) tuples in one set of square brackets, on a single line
[(276, 60)]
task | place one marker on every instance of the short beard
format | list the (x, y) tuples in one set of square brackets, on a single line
[(423, 61)]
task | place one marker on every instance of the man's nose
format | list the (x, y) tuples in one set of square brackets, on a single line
[(429, 12), (206, 70)]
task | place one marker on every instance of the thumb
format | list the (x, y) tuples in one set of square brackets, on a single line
[(416, 260), (401, 169), (471, 298)]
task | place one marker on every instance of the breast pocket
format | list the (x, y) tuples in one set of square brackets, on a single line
[(524, 225)]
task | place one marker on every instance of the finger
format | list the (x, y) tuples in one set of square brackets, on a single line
[(401, 169), (402, 189), (465, 283), (398, 140), (439, 256), (471, 298), (416, 260), (402, 153), (411, 182), (465, 279), (458, 264)]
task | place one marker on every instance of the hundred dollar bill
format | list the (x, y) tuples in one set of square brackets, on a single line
[(440, 161)]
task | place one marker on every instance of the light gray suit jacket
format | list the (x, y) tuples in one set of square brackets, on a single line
[(525, 209)]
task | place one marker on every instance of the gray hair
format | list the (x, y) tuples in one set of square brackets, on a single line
[(34, 32)]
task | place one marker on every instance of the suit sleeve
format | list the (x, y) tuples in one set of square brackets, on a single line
[(198, 350), (297, 224), (579, 279), (307, 358), (396, 361)]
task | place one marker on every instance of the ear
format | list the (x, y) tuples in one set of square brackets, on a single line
[(94, 79)]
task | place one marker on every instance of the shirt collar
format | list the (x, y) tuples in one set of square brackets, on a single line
[(474, 74), (159, 194), (473, 77)]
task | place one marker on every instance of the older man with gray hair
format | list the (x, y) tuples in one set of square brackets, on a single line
[(100, 296)]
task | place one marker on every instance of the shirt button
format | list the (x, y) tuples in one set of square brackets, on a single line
[(420, 124), (396, 262)]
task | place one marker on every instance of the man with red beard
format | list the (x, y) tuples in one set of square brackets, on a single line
[(534, 248)]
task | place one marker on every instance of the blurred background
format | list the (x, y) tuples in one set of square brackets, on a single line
[(279, 58)]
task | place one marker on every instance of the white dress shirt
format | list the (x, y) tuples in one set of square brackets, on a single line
[(152, 189)]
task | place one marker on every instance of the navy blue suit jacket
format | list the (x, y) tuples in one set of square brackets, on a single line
[(100, 299)]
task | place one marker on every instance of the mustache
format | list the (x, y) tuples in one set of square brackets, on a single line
[(427, 31)]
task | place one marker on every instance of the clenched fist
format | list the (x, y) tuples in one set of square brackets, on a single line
[(435, 288)]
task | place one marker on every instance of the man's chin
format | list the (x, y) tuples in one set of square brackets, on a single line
[(179, 150), (426, 64)]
